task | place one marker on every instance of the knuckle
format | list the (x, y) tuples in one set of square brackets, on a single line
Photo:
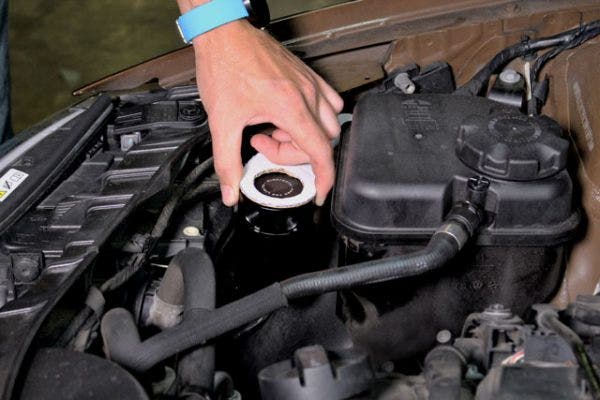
[(322, 158), (286, 88), (220, 166), (221, 162), (326, 180), (339, 103), (310, 90), (336, 131)]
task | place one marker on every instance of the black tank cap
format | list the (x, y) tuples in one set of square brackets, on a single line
[(512, 146)]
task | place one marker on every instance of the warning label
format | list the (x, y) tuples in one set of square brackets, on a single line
[(10, 181)]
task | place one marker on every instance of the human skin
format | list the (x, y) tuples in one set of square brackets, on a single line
[(245, 77)]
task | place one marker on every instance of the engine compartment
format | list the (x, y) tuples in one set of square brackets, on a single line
[(452, 216)]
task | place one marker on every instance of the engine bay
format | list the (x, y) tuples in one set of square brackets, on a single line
[(427, 275)]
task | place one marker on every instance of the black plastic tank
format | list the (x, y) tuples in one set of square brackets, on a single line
[(402, 165)]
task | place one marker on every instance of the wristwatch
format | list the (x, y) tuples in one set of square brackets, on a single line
[(215, 13)]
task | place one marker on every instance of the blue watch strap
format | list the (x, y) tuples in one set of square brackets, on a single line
[(209, 16)]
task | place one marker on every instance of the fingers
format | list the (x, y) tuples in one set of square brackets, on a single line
[(325, 103), (328, 119), (279, 148), (334, 99), (309, 136), (226, 144), (282, 136)]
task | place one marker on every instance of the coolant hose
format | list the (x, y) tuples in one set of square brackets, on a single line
[(443, 369), (123, 345), (446, 242), (190, 280), (122, 341), (438, 251)]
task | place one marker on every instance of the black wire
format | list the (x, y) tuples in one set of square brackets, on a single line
[(476, 84), (137, 260), (585, 33), (204, 189), (550, 320), (166, 214), (75, 326), (133, 266)]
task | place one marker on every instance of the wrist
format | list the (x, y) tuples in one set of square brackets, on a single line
[(229, 31), (211, 15), (187, 5)]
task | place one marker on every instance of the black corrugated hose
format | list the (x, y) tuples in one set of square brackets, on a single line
[(123, 344)]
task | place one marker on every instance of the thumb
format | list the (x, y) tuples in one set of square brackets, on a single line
[(226, 145)]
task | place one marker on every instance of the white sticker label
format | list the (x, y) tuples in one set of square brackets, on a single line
[(10, 181)]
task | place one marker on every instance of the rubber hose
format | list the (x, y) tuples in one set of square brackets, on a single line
[(443, 369), (190, 281), (440, 249), (122, 341), (191, 272)]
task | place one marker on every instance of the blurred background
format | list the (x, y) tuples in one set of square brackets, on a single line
[(57, 46)]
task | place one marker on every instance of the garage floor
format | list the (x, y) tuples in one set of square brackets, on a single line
[(57, 46)]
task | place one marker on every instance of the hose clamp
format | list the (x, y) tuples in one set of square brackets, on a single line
[(456, 231)]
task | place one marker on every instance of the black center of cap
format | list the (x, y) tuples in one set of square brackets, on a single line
[(278, 185), (515, 129)]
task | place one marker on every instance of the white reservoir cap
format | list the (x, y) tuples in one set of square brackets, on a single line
[(277, 186)]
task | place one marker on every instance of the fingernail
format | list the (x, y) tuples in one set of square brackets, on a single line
[(228, 195), (319, 201)]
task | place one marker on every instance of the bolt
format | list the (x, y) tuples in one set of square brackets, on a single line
[(190, 112), (479, 183), (26, 269), (444, 336), (498, 311), (129, 140), (191, 231), (510, 76), (403, 82), (387, 367)]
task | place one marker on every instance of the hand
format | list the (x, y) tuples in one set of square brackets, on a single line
[(245, 78)]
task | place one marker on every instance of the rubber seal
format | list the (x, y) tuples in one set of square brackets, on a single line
[(260, 165)]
